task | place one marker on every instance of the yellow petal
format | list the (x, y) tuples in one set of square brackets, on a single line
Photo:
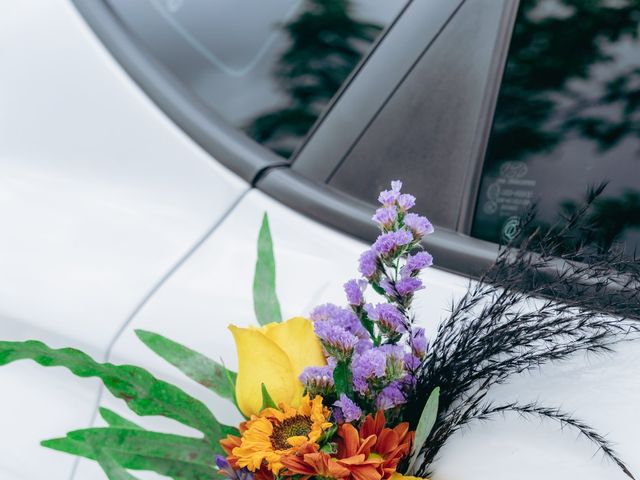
[(298, 340), (399, 476), (261, 360), (297, 441)]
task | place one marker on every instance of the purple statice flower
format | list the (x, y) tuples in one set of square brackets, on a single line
[(411, 362), (354, 290), (317, 380), (395, 360), (224, 467), (370, 365), (416, 262), (387, 242), (406, 202), (386, 216), (344, 317), (364, 344), (388, 287), (418, 342), (387, 317), (389, 197), (350, 412), (418, 225), (368, 264), (335, 339), (390, 396), (407, 285), (325, 312)]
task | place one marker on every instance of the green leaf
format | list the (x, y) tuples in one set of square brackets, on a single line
[(378, 289), (143, 393), (115, 420), (113, 470), (265, 299), (426, 423), (194, 365), (169, 467), (267, 401), (342, 377), (153, 444)]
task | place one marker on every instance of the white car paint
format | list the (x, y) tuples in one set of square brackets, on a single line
[(103, 199), (101, 195)]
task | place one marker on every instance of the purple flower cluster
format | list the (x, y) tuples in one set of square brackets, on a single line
[(318, 380), (390, 242), (391, 396), (354, 289), (338, 342), (377, 343), (388, 318), (349, 411), (368, 368)]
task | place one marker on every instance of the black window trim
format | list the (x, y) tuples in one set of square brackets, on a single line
[(367, 93), (453, 251), (488, 109)]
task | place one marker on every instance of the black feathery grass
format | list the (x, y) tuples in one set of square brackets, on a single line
[(552, 297)]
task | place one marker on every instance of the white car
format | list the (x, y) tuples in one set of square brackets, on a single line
[(141, 141)]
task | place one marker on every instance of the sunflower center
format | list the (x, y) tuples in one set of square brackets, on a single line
[(298, 426)]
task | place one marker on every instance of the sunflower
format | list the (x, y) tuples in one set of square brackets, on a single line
[(274, 433)]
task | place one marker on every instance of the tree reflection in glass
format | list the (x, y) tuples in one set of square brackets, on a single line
[(568, 116), (326, 43)]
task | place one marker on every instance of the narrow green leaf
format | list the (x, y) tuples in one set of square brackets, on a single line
[(169, 467), (111, 468), (378, 289), (143, 393), (267, 401), (115, 420), (265, 299), (425, 424), (153, 444), (67, 445), (342, 377), (194, 365)]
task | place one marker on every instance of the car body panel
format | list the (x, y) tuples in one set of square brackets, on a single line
[(114, 220), (100, 197)]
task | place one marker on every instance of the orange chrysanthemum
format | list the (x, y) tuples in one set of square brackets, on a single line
[(370, 453), (309, 462), (274, 433), (392, 444)]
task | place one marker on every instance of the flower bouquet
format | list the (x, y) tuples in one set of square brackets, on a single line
[(357, 392)]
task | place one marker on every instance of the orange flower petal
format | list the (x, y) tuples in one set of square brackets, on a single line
[(350, 440)]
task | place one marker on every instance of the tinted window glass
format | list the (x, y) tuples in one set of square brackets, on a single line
[(267, 67), (425, 133), (567, 118)]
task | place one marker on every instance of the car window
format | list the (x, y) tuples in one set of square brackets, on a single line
[(269, 68), (567, 118), (425, 133)]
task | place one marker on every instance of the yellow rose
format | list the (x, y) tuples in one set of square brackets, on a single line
[(275, 355)]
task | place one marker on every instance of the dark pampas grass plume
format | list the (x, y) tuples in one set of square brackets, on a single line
[(547, 297)]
